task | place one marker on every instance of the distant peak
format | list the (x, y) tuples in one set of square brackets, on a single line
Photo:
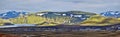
[(11, 14), (115, 14)]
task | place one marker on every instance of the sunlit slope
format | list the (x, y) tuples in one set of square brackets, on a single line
[(33, 19), (118, 18), (98, 20), (2, 21)]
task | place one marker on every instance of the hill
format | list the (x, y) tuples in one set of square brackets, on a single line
[(75, 16), (98, 20), (33, 19), (56, 18), (53, 18), (2, 21), (46, 18)]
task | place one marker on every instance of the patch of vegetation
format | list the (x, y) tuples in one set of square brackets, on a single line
[(98, 20), (33, 19), (2, 21)]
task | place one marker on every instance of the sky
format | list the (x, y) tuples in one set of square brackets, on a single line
[(96, 6)]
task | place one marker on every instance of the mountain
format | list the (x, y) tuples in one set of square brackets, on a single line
[(56, 18), (53, 18), (115, 14), (98, 20), (11, 14), (75, 16)]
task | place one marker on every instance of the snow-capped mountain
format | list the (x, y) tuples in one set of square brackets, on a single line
[(115, 14), (11, 14)]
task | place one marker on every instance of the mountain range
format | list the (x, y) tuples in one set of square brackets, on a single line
[(48, 18), (76, 16)]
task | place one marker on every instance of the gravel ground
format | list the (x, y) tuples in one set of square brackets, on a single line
[(64, 34)]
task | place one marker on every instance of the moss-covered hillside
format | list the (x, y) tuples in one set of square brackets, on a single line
[(98, 20)]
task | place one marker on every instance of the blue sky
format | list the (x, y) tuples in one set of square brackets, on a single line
[(96, 6)]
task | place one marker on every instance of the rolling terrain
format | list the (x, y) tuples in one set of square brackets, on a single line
[(48, 18)]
